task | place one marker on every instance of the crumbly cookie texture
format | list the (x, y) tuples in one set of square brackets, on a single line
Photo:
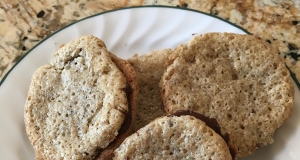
[(182, 137), (75, 104), (149, 69), (237, 79), (132, 97)]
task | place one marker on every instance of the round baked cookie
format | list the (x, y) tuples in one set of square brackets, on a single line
[(237, 79), (174, 137), (77, 103)]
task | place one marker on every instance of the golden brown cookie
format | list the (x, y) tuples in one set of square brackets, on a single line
[(174, 137), (237, 79), (78, 104)]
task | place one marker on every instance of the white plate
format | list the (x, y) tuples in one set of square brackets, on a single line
[(126, 32)]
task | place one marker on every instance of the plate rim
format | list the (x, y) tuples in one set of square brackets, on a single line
[(293, 75), (114, 10)]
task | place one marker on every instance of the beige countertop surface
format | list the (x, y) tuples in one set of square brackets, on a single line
[(25, 23)]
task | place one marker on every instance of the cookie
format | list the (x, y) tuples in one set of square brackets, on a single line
[(130, 121), (78, 103), (174, 137), (237, 79), (149, 69)]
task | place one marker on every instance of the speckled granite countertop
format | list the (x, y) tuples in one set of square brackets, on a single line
[(23, 23)]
